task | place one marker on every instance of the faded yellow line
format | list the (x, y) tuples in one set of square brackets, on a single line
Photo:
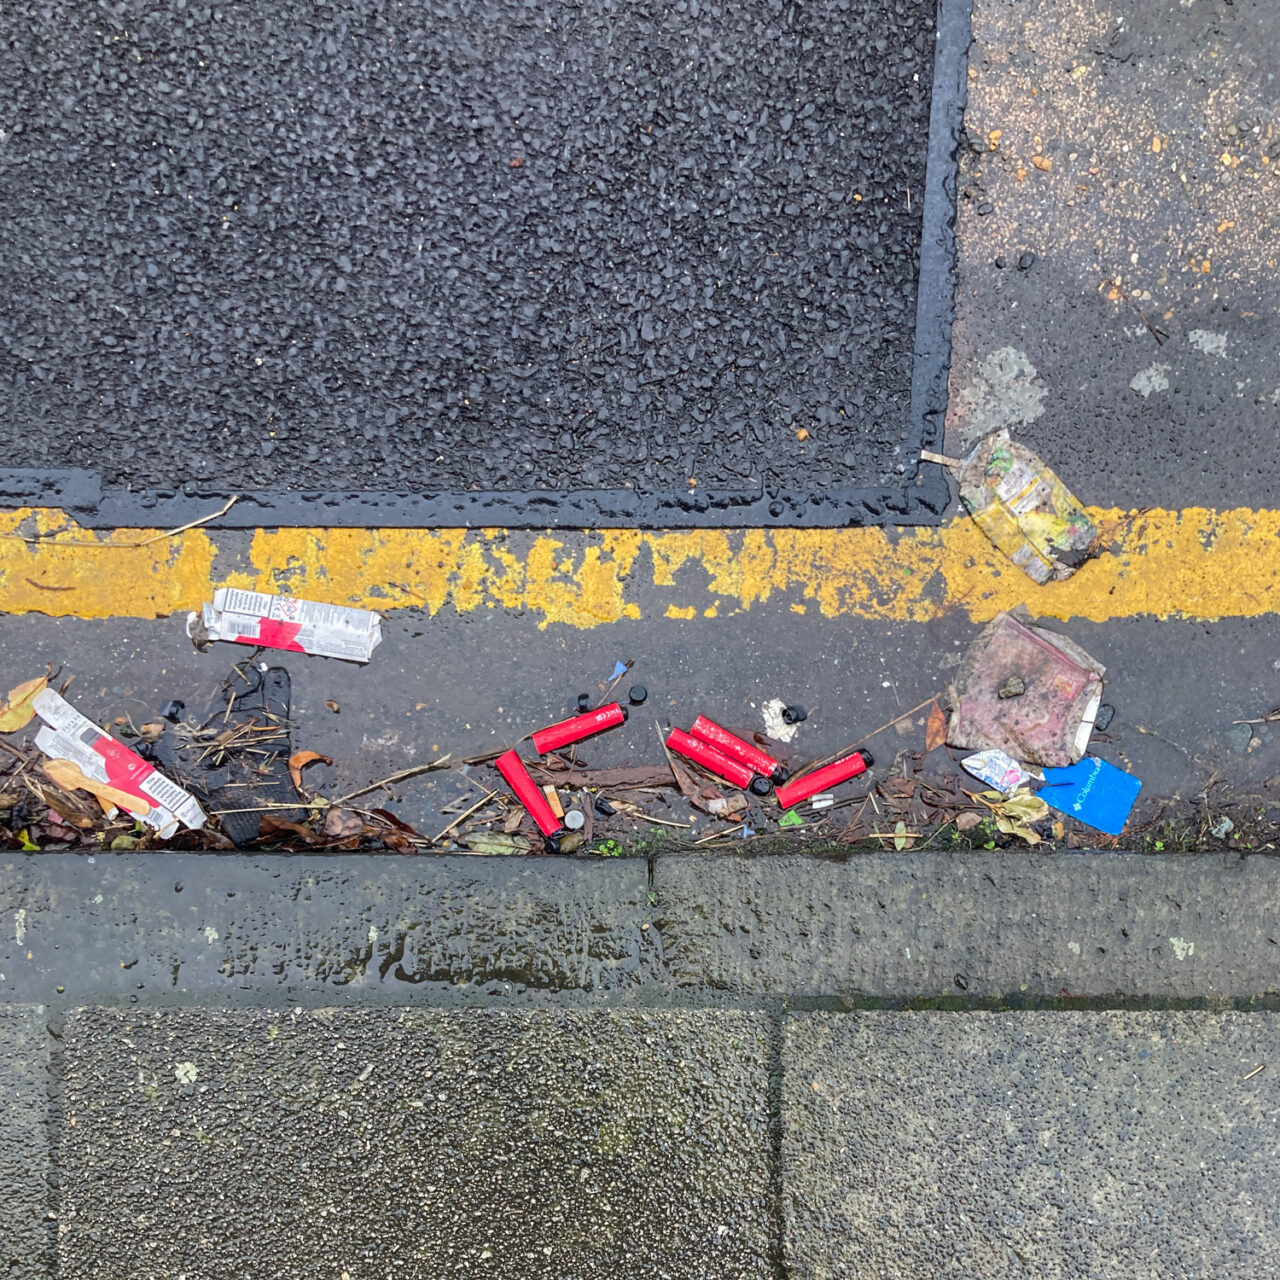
[(1194, 563)]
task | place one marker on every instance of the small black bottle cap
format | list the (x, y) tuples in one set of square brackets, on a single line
[(637, 694), (551, 844), (759, 786), (867, 758), (780, 775), (794, 714)]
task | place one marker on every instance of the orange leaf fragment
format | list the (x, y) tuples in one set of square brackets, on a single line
[(299, 761), (935, 733)]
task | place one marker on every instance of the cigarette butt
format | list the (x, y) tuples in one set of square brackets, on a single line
[(553, 800)]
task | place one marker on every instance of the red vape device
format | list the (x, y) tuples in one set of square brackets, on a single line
[(731, 745), (809, 784), (561, 735), (512, 769), (716, 762)]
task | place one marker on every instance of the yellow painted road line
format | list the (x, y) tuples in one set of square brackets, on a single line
[(1194, 563)]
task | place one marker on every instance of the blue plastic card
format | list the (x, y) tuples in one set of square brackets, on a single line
[(1092, 790)]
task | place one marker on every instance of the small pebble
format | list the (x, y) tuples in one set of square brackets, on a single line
[(1106, 713), (1026, 261)]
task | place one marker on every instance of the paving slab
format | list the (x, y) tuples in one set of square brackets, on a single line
[(965, 925), (357, 928), (26, 1239), (1057, 1146), (373, 1143)]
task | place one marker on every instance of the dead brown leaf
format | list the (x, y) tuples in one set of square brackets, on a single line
[(387, 816), (935, 733), (269, 825), (967, 821), (16, 710), (150, 731), (299, 761)]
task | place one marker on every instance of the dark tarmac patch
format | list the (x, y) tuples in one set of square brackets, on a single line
[(490, 249)]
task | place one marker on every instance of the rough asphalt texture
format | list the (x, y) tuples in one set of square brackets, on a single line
[(1063, 1145), (463, 246), (559, 1145)]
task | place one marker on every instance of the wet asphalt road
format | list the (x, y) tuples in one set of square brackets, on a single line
[(459, 247)]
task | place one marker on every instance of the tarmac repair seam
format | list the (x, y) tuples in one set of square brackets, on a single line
[(1195, 563)]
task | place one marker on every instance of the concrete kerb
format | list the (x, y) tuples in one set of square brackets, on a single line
[(973, 928), (964, 928)]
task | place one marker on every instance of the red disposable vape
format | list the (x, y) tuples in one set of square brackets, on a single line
[(561, 735), (829, 775), (731, 745), (512, 769), (716, 762)]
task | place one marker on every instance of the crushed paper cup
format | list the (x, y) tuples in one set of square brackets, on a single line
[(284, 622), (999, 769), (68, 735)]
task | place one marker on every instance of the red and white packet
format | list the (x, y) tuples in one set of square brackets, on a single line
[(283, 622), (67, 735)]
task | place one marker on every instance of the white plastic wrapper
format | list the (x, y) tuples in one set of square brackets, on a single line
[(1000, 770), (67, 735), (284, 622)]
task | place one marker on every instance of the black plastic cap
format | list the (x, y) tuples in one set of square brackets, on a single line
[(551, 844), (637, 694), (867, 758), (780, 775), (794, 714), (584, 703), (759, 786)]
